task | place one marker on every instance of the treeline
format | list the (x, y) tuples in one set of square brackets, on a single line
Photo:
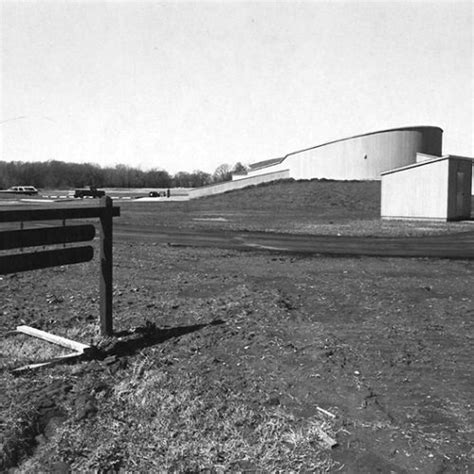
[(62, 175)]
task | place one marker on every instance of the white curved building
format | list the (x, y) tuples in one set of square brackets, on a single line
[(362, 157)]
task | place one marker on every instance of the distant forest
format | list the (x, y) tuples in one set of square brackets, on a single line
[(62, 175)]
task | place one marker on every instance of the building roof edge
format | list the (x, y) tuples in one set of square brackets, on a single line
[(398, 129), (275, 161)]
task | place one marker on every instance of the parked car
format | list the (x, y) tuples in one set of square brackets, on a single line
[(91, 192), (155, 194), (25, 190)]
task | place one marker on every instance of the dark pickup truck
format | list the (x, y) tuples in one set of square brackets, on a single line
[(91, 192)]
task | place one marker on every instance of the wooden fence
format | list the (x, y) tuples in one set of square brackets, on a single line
[(21, 261)]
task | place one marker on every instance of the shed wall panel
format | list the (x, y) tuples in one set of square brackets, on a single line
[(419, 192), (459, 199)]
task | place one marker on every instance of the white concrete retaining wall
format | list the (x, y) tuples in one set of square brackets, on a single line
[(239, 184)]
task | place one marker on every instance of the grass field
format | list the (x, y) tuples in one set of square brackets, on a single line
[(306, 207), (223, 359)]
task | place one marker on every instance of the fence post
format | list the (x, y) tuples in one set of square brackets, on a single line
[(106, 325)]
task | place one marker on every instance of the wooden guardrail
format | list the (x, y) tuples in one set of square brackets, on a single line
[(61, 235)]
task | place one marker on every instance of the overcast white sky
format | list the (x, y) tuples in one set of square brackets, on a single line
[(185, 86)]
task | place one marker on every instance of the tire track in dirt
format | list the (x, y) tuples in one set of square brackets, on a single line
[(453, 246)]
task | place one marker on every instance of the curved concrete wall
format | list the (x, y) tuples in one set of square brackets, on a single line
[(363, 157)]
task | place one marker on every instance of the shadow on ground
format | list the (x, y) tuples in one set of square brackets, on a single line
[(132, 341)]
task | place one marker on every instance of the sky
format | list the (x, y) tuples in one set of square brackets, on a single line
[(183, 86)]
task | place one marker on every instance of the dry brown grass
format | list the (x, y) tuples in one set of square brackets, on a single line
[(157, 420), (18, 349)]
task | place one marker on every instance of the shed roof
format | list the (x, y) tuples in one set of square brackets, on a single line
[(428, 162)]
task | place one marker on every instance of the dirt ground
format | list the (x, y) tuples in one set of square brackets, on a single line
[(384, 344), (223, 359)]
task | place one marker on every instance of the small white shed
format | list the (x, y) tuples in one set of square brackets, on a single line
[(434, 187)]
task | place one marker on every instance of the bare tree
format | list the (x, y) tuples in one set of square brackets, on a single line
[(239, 168), (222, 173)]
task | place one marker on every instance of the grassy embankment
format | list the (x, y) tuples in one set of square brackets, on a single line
[(307, 207)]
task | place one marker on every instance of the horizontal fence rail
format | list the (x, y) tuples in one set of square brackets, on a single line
[(14, 239), (54, 214), (48, 258)]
